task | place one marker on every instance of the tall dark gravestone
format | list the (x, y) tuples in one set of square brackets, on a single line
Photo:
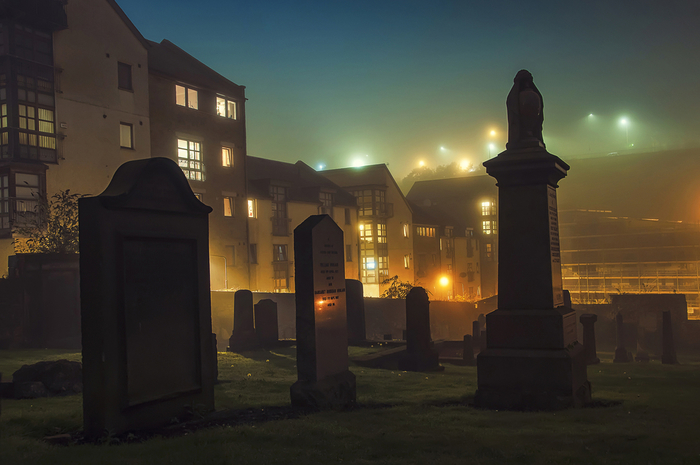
[(321, 322), (420, 354), (243, 336), (668, 354), (266, 324), (145, 302), (621, 354), (588, 321), (355, 301), (532, 358)]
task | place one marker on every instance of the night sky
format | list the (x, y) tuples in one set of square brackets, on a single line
[(393, 81)]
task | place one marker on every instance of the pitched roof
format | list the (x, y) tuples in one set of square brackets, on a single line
[(168, 59), (128, 22), (304, 182), (369, 175)]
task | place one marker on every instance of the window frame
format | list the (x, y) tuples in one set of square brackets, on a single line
[(188, 92), (227, 102), (252, 208), (226, 162), (229, 206), (188, 170)]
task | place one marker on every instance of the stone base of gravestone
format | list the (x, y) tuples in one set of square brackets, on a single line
[(420, 351), (266, 324), (336, 391), (532, 362), (622, 355)]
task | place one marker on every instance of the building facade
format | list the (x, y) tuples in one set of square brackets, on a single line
[(280, 197)]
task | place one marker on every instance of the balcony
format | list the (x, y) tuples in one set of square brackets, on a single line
[(376, 210)]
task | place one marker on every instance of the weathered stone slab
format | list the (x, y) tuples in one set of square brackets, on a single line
[(420, 353), (243, 336), (266, 324), (146, 317)]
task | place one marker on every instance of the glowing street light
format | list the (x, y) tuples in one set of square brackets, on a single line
[(491, 147), (626, 124), (321, 166), (421, 163), (444, 281), (492, 133), (443, 149), (464, 165)]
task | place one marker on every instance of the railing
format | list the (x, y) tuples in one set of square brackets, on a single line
[(379, 210)]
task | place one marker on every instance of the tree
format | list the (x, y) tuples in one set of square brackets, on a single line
[(398, 289), (54, 227)]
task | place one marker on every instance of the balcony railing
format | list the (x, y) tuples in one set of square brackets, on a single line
[(377, 210)]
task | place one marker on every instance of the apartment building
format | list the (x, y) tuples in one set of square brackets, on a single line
[(280, 197), (384, 226), (73, 102)]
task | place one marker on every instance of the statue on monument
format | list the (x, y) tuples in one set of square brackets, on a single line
[(525, 113)]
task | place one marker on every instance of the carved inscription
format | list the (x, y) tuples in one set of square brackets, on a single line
[(554, 247)]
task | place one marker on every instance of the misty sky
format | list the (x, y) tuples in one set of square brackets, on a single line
[(393, 81)]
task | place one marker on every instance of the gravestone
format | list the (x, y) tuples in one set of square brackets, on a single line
[(420, 354), (355, 303), (621, 354), (468, 351), (145, 302), (588, 321), (532, 359), (668, 354), (324, 380), (476, 334), (266, 324), (243, 336)]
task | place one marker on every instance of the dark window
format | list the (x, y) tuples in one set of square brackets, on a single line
[(254, 253), (279, 252), (348, 253), (125, 76)]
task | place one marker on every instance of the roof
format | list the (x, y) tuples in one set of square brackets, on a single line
[(168, 59), (128, 22), (304, 182), (369, 175)]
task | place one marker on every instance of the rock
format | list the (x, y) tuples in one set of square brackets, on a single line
[(60, 377)]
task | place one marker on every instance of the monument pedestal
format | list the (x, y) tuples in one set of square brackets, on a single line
[(532, 359)]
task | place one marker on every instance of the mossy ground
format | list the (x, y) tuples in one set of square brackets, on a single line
[(427, 420)]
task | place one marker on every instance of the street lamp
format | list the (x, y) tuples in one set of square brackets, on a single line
[(491, 147), (625, 123)]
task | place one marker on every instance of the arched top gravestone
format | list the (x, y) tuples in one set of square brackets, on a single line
[(145, 303)]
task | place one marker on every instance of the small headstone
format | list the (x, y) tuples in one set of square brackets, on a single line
[(468, 351), (621, 354), (482, 321), (59, 377), (355, 303), (668, 354), (243, 336), (420, 354), (589, 349), (321, 317), (266, 324), (145, 300)]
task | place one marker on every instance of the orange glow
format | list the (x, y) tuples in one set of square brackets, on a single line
[(444, 281)]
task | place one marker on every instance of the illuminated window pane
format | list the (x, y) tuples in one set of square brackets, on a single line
[(252, 208), (406, 261), (189, 154), (47, 142), (126, 139), (406, 229), (220, 106), (180, 95), (192, 101), (486, 227), (226, 156), (228, 206), (231, 110)]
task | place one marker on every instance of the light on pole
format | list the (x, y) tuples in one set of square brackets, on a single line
[(626, 124)]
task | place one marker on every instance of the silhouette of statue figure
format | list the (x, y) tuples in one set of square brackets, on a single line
[(525, 113)]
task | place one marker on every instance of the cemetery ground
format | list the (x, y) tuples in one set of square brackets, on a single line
[(649, 414)]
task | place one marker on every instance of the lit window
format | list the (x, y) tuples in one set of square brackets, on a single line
[(381, 233), (485, 208), (124, 76), (226, 108), (189, 157), (226, 156), (3, 114), (279, 252), (126, 136), (186, 97), (252, 208), (199, 196), (406, 261), (228, 206), (406, 229), (486, 227)]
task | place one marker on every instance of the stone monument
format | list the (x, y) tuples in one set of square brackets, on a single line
[(668, 348), (355, 310), (588, 321), (621, 354), (420, 354), (468, 351), (266, 324), (145, 302), (532, 358), (321, 320), (243, 336)]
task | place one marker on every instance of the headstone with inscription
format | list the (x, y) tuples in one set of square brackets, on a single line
[(243, 336), (532, 359), (145, 308), (355, 303), (324, 380), (266, 324), (420, 354)]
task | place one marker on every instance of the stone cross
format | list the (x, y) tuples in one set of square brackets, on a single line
[(321, 317)]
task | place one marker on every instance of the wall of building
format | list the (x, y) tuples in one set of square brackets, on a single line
[(228, 242), (398, 244), (89, 104)]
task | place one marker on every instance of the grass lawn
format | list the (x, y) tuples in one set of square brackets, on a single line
[(427, 422)]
